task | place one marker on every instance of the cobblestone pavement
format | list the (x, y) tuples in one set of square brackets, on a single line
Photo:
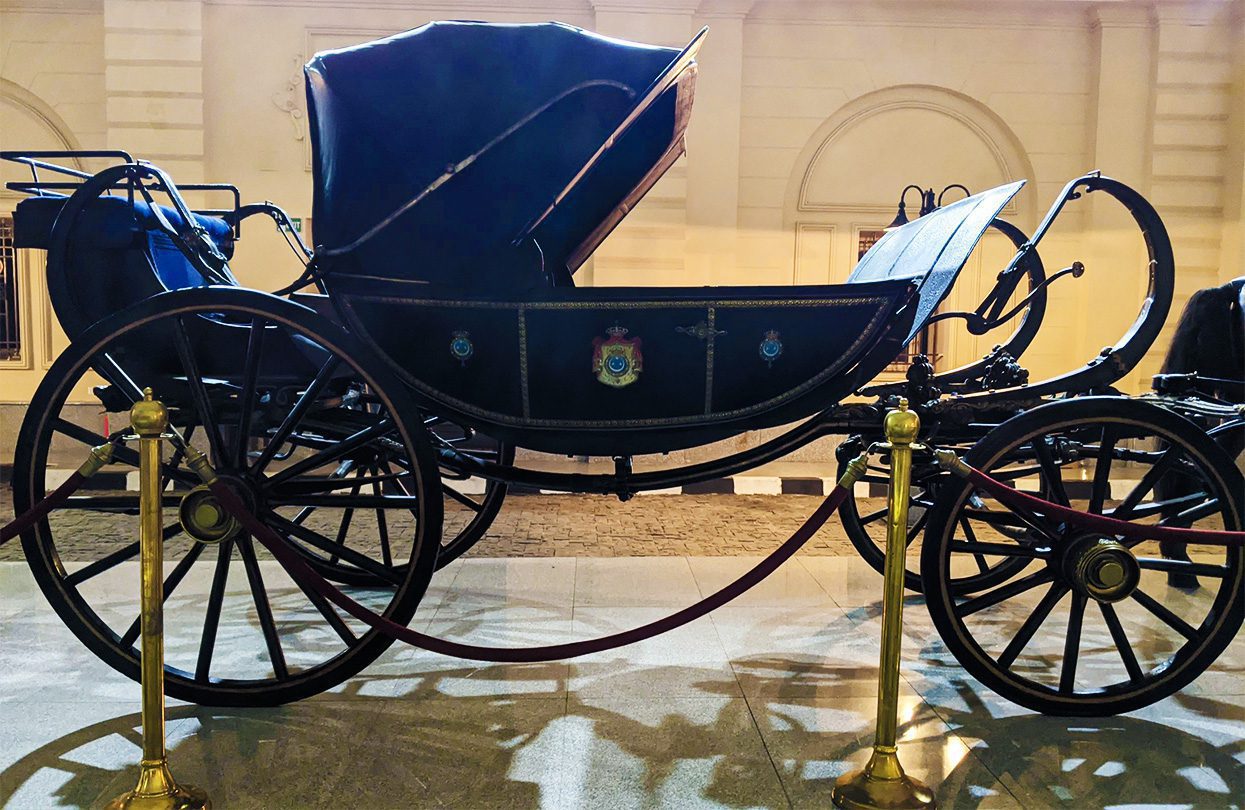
[(551, 526)]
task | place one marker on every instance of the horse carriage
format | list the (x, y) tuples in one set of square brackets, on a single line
[(436, 327)]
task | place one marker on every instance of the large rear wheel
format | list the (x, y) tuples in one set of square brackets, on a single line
[(281, 400)]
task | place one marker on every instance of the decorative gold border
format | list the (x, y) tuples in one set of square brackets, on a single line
[(673, 303), (527, 406), (699, 419), (709, 340)]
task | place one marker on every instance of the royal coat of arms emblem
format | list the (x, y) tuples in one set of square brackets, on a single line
[(617, 361)]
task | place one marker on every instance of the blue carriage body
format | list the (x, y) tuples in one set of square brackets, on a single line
[(508, 152), (463, 172)]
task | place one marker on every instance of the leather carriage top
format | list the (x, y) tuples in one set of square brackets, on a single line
[(488, 156)]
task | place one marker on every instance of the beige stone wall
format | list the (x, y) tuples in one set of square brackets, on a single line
[(811, 116)]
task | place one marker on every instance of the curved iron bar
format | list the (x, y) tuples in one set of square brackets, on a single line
[(1118, 360), (1029, 264)]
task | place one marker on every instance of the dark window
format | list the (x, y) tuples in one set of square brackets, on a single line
[(10, 323)]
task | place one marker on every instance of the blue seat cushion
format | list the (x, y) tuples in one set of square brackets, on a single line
[(107, 222)]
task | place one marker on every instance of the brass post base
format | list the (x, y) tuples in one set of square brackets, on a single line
[(881, 785), (157, 791)]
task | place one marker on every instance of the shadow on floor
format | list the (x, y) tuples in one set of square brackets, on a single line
[(430, 749)]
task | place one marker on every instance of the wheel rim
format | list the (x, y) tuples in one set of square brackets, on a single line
[(1052, 638), (867, 530), (471, 504), (275, 641)]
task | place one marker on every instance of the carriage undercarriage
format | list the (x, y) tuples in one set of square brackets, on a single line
[(358, 410)]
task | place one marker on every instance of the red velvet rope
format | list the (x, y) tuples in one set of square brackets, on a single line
[(302, 573), (1102, 523), (40, 510)]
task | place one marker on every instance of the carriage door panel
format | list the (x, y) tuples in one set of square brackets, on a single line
[(620, 362), (768, 351), (460, 352)]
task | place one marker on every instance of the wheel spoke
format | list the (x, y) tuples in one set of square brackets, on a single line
[(1072, 644), (1032, 624), (125, 504), (382, 527), (978, 549), (1160, 508), (1121, 642), (170, 584), (330, 615), (400, 483), (461, 498), (102, 564), (305, 401), (250, 374), (343, 527), (351, 501), (1183, 567), (198, 392), (344, 447), (1053, 472), (872, 516), (112, 371), (1003, 592), (1147, 482), (349, 555), (1101, 486), (211, 616), (915, 531), (1194, 513), (982, 565), (1165, 614), (263, 608), (120, 453)]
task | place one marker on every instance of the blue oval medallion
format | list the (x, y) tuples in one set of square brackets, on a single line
[(771, 347), (461, 347)]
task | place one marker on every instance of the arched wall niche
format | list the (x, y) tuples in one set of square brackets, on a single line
[(28, 122), (870, 148), (846, 182)]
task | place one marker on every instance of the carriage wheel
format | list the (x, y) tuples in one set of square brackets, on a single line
[(1090, 625), (268, 389), (865, 525), (867, 530), (468, 512)]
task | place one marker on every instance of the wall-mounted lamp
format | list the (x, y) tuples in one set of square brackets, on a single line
[(928, 202)]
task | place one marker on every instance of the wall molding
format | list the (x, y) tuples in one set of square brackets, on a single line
[(42, 112), (1009, 154)]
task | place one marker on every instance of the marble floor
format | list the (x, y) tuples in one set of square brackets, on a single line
[(761, 704)]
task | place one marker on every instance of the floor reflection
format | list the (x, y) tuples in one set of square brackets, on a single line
[(762, 704), (552, 748)]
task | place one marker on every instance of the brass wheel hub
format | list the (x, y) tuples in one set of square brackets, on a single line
[(1101, 568), (203, 517)]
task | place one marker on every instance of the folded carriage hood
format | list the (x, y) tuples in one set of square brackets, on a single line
[(526, 105), (931, 250)]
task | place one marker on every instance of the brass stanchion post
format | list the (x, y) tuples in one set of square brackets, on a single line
[(882, 783), (156, 789)]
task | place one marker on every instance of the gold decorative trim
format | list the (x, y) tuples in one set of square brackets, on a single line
[(681, 303), (709, 340), (692, 420), (527, 405)]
